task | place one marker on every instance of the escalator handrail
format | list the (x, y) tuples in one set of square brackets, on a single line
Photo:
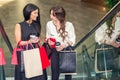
[(112, 12), (5, 37)]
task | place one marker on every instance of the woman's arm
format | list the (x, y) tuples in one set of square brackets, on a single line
[(17, 33), (18, 36)]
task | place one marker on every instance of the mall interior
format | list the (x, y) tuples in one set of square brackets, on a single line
[(86, 15)]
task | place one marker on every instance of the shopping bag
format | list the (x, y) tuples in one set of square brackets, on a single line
[(48, 49), (14, 59), (32, 63), (16, 51), (104, 59), (2, 58), (17, 57), (67, 61), (20, 60), (44, 58)]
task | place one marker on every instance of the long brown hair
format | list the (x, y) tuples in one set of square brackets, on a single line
[(111, 24), (60, 14)]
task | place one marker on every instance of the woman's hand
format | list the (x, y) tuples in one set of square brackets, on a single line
[(52, 42), (114, 44), (61, 47), (34, 40)]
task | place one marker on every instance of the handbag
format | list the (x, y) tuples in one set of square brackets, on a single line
[(48, 49), (104, 58), (67, 61), (44, 58), (16, 55), (32, 63)]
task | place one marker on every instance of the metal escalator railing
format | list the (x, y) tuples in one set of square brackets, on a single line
[(86, 60), (2, 73), (88, 63)]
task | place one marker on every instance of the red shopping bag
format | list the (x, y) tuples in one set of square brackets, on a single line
[(2, 58), (44, 58), (14, 60)]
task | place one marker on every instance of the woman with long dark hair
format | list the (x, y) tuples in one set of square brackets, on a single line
[(23, 31)]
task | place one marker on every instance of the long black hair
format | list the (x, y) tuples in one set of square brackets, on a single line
[(27, 12)]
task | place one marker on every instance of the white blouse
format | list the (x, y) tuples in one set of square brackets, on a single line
[(100, 33), (51, 32)]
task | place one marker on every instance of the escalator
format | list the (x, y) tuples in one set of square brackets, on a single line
[(85, 54), (86, 47)]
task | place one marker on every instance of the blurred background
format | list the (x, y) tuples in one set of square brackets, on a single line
[(84, 14)]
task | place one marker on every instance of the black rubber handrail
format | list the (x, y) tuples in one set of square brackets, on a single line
[(112, 12), (5, 37)]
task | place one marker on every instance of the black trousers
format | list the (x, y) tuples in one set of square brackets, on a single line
[(55, 66)]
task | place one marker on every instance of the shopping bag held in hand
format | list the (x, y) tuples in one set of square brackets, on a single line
[(32, 63), (44, 58), (16, 50), (67, 61)]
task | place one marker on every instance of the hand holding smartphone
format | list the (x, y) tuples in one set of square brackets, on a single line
[(34, 39)]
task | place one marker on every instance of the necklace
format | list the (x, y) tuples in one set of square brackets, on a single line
[(29, 23)]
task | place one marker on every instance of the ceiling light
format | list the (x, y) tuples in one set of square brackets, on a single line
[(3, 2)]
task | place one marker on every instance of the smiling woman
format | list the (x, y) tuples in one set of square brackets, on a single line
[(27, 33)]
